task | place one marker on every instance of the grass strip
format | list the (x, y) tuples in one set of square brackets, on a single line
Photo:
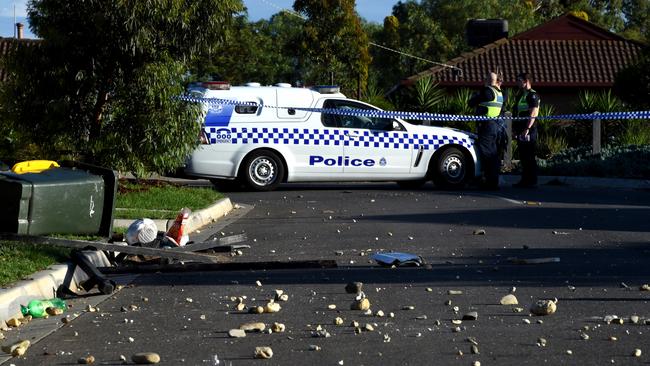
[(18, 260), (159, 200)]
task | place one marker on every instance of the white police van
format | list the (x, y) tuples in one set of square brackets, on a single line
[(271, 140)]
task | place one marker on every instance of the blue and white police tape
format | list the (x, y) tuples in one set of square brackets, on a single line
[(419, 115)]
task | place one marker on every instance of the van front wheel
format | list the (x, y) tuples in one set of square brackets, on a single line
[(262, 170), (450, 170)]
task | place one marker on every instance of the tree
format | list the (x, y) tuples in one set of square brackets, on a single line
[(264, 51), (632, 84), (386, 68), (452, 15), (102, 81), (334, 43), (419, 35), (637, 16)]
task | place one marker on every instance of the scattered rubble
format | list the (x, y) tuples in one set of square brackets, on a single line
[(13, 322), (54, 311), (146, 358), (360, 304), (272, 307), (17, 349), (278, 328), (88, 360), (257, 310), (509, 299), (253, 327), (237, 333), (321, 332), (544, 307)]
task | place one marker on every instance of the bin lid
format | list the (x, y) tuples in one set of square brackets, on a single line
[(33, 166)]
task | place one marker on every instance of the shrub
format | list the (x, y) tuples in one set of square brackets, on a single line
[(635, 132), (551, 138), (615, 161), (375, 96)]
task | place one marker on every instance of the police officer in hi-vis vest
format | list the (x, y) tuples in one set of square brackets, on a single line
[(525, 129), (488, 102)]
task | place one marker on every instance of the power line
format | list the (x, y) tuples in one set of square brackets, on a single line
[(278, 7), (415, 57), (267, 2)]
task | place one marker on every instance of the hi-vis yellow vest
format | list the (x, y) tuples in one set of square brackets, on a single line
[(522, 104), (494, 106)]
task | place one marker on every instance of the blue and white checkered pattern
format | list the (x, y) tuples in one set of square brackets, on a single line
[(337, 137)]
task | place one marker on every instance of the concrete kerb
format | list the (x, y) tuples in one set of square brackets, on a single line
[(582, 182), (196, 220), (43, 284)]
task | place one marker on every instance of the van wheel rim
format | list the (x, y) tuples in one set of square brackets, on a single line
[(262, 171), (453, 168)]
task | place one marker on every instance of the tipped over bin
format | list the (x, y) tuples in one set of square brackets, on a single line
[(74, 198)]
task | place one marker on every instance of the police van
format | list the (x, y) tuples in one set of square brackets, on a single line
[(265, 135)]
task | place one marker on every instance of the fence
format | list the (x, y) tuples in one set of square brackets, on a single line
[(596, 124)]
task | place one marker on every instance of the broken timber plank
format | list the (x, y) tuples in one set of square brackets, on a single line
[(235, 266), (81, 244), (212, 244)]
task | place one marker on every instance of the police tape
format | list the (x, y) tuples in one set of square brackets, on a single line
[(424, 116)]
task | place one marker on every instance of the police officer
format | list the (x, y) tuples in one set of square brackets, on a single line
[(525, 130), (488, 102)]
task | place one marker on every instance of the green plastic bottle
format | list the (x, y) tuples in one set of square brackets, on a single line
[(36, 308)]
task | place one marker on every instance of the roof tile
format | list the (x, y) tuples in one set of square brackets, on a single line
[(551, 62)]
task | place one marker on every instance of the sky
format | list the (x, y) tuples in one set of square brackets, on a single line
[(371, 10)]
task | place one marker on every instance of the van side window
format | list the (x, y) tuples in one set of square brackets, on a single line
[(351, 121), (246, 109)]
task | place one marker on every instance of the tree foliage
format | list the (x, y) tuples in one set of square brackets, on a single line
[(632, 84), (264, 51), (334, 43), (100, 83)]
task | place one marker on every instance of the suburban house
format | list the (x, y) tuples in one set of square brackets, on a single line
[(565, 56), (8, 45)]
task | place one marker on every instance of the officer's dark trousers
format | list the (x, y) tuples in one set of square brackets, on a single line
[(528, 162), (487, 143)]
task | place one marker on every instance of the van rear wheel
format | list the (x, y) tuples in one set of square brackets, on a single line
[(262, 170)]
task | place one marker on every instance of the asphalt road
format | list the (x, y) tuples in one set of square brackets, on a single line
[(599, 235)]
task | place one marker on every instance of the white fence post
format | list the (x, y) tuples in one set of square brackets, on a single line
[(507, 157), (596, 132)]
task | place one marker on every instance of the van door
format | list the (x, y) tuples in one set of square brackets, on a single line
[(373, 147)]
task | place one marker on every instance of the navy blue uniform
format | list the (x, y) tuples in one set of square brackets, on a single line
[(527, 100), (488, 134)]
